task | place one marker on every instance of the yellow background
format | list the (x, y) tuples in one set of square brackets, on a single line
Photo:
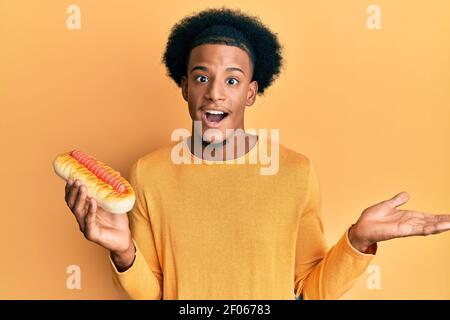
[(371, 108)]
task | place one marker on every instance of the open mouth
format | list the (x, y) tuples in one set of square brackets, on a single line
[(214, 117)]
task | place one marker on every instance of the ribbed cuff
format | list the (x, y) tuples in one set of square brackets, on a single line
[(355, 252), (133, 265)]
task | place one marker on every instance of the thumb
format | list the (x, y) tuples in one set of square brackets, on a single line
[(398, 199)]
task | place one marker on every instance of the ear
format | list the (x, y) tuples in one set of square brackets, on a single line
[(252, 92), (184, 88)]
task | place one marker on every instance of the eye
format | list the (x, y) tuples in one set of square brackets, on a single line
[(236, 81), (202, 79)]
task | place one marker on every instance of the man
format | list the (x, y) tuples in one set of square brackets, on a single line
[(221, 230)]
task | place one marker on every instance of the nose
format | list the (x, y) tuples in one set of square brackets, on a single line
[(215, 91)]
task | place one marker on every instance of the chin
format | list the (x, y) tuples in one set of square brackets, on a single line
[(213, 136)]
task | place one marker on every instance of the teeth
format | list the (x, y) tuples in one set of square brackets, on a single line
[(214, 112)]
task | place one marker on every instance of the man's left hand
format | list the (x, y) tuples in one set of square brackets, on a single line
[(383, 221)]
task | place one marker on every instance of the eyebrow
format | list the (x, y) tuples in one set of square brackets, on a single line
[(227, 69)]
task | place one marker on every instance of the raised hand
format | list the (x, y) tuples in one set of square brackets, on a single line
[(383, 221), (108, 230)]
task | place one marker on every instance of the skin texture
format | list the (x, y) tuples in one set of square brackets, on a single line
[(106, 229), (219, 77), (212, 86), (384, 221)]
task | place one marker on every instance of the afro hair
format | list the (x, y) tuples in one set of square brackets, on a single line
[(230, 27)]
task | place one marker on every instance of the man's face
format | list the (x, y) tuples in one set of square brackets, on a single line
[(218, 87)]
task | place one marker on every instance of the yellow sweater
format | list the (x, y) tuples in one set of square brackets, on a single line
[(224, 231)]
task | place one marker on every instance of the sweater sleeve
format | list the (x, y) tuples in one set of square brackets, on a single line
[(143, 280), (321, 273)]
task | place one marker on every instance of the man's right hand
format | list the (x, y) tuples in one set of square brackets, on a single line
[(104, 228)]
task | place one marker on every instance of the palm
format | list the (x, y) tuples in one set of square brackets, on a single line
[(107, 229), (384, 221)]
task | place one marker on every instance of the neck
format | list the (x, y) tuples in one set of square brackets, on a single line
[(236, 145)]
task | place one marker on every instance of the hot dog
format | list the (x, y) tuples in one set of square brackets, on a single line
[(111, 191)]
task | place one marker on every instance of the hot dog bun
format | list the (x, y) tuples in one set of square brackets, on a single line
[(111, 191)]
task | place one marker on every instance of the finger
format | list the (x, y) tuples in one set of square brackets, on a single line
[(434, 228), (398, 200), (73, 194), (442, 226), (418, 215), (80, 209), (80, 201), (67, 189), (442, 218), (90, 219), (427, 217)]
